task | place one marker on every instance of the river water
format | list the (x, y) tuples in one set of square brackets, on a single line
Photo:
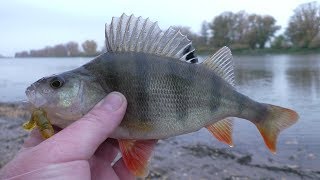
[(291, 81)]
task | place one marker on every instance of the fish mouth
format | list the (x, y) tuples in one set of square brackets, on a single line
[(35, 97)]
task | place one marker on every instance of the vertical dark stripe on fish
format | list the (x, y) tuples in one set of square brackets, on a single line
[(192, 70), (112, 75), (215, 95), (141, 88), (105, 76), (241, 100), (179, 88)]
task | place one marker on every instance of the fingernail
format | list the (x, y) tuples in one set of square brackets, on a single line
[(113, 101)]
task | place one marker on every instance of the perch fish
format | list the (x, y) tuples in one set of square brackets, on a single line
[(169, 92)]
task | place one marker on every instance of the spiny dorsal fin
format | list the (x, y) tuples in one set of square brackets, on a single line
[(222, 64), (135, 34)]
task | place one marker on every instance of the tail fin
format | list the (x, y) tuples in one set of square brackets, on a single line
[(277, 119)]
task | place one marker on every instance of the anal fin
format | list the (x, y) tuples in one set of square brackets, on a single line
[(136, 155), (222, 130)]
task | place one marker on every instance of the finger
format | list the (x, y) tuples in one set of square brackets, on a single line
[(107, 151), (34, 139), (122, 171), (100, 169), (82, 138)]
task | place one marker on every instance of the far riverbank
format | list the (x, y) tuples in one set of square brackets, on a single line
[(207, 51), (256, 52)]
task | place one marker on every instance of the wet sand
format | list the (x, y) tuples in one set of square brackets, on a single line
[(174, 158), (11, 133)]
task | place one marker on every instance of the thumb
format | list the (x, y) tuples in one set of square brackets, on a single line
[(81, 139)]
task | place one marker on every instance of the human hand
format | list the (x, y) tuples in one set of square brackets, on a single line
[(80, 151)]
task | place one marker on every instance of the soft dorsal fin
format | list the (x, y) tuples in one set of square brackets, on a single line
[(222, 64), (135, 34)]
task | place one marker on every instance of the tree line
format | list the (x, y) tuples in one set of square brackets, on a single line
[(239, 31), (70, 49), (253, 31)]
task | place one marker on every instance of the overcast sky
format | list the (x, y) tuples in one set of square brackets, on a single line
[(33, 24)]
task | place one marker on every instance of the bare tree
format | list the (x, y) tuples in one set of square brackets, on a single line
[(204, 32), (60, 50), (22, 54), (304, 25), (89, 47), (261, 29), (315, 43), (242, 30), (280, 42), (221, 27), (240, 27), (73, 48), (230, 29)]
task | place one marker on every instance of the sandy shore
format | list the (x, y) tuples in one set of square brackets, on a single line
[(173, 159)]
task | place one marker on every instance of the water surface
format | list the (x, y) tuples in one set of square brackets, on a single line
[(16, 74), (291, 81)]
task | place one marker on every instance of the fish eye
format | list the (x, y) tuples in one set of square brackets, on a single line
[(56, 82)]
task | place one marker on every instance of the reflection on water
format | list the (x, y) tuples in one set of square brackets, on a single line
[(291, 81)]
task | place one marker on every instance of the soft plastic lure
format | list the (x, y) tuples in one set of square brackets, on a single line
[(40, 120)]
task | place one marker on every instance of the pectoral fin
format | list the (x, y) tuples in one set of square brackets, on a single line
[(222, 130), (136, 155)]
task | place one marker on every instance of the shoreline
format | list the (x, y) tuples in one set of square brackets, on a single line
[(265, 51), (174, 158), (204, 51)]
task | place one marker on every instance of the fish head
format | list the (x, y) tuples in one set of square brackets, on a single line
[(65, 96)]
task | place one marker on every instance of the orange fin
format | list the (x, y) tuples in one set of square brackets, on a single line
[(277, 119), (222, 130), (136, 155)]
